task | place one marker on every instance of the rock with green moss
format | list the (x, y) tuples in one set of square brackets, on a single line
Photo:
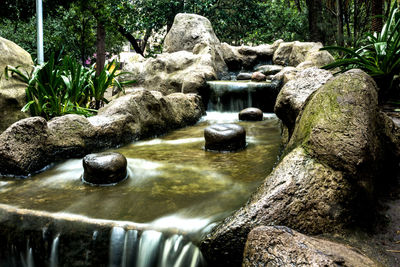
[(12, 90), (338, 153), (339, 125)]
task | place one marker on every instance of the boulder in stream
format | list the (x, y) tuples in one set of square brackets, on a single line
[(251, 114), (326, 179), (105, 168), (225, 137)]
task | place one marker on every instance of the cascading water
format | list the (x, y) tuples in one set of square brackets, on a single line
[(236, 95), (175, 194)]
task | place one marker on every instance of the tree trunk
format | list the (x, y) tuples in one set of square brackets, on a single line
[(131, 39), (377, 10), (314, 19), (101, 47), (339, 19)]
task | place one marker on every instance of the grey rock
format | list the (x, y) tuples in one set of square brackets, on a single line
[(187, 31), (23, 147), (12, 90), (294, 94), (269, 69), (282, 246)]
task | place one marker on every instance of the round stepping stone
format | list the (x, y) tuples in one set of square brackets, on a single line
[(225, 137), (251, 114), (105, 168)]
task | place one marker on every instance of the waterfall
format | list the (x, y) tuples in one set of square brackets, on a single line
[(54, 252), (236, 95), (152, 249)]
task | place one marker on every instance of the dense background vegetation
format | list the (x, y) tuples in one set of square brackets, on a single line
[(75, 24)]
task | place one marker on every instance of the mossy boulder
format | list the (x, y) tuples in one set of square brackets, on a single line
[(339, 125), (12, 91), (341, 149)]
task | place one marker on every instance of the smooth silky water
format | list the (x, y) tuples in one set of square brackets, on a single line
[(174, 184)]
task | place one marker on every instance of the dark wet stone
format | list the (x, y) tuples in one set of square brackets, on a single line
[(225, 137), (251, 114), (104, 168), (244, 76)]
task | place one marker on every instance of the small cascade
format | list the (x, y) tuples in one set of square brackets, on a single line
[(27, 259), (234, 96), (54, 252), (152, 249)]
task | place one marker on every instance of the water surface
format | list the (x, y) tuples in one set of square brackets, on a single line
[(173, 181)]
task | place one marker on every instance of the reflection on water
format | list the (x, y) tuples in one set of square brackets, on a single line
[(173, 181)]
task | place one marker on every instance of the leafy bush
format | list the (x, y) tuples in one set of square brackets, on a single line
[(60, 87), (379, 57)]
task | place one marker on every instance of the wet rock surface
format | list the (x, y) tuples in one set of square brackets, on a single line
[(251, 114), (104, 168), (30, 144), (282, 246), (244, 76), (225, 137), (327, 178)]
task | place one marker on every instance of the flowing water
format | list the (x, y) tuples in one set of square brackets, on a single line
[(237, 95), (174, 184)]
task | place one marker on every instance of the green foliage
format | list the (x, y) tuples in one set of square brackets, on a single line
[(379, 57), (60, 87)]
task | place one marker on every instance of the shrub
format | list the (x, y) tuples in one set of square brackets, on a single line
[(379, 57), (60, 87)]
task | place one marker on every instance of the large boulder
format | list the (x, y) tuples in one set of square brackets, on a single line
[(178, 72), (30, 144), (300, 193), (246, 57), (294, 94), (294, 53), (12, 91), (194, 33), (325, 181), (23, 146), (187, 31), (282, 246)]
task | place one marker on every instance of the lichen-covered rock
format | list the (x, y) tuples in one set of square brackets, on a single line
[(294, 53), (69, 136), (294, 94), (173, 72), (285, 75), (282, 246), (30, 144), (23, 147), (300, 193), (187, 31), (282, 53), (12, 91)]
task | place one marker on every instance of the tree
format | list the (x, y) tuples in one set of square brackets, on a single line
[(376, 15)]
